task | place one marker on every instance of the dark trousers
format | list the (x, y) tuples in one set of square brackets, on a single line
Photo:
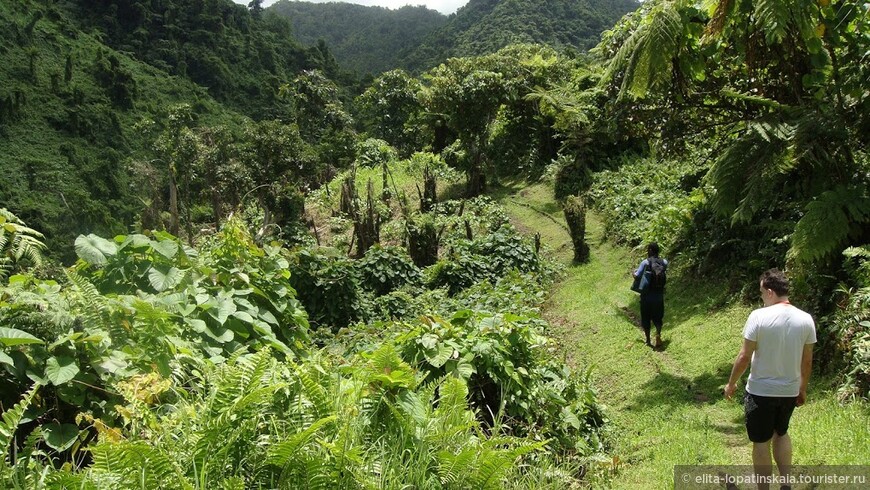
[(652, 311)]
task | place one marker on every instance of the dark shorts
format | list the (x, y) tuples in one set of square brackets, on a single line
[(766, 414), (652, 309)]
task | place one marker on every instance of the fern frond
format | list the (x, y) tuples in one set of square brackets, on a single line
[(646, 58), (496, 463), (314, 392), (772, 17), (11, 419), (752, 99), (829, 221), (454, 468), (30, 248), (749, 167), (285, 454), (139, 465), (95, 303)]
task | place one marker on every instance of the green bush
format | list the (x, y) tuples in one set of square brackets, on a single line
[(328, 285), (386, 269), (513, 373), (373, 152)]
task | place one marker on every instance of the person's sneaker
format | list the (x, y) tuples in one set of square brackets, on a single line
[(658, 341)]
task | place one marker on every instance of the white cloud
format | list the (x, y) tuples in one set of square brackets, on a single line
[(446, 7)]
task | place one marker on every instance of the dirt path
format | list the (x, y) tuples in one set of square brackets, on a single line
[(665, 406)]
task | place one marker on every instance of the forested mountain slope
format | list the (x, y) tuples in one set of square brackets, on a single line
[(363, 39), (485, 26), (85, 87)]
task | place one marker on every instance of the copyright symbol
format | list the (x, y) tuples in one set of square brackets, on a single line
[(685, 478)]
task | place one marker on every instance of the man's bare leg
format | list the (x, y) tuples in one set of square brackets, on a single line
[(782, 454), (762, 463)]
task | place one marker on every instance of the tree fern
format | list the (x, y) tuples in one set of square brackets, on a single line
[(646, 58), (829, 221), (772, 17), (743, 176)]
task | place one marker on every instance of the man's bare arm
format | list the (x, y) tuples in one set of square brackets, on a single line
[(806, 371), (744, 357)]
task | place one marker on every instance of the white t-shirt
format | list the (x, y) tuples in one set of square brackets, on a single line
[(781, 331)]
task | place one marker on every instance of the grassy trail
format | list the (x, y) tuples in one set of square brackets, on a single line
[(666, 406)]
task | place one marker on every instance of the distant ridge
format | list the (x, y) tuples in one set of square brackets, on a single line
[(362, 39), (485, 26), (376, 39)]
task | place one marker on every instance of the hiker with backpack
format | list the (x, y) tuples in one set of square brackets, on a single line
[(649, 281)]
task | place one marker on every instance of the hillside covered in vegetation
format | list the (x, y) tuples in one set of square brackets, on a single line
[(210, 283), (485, 26), (367, 40)]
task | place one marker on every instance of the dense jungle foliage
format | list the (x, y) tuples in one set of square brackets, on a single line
[(204, 284), (367, 40)]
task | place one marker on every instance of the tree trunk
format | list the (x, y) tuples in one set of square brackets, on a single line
[(575, 215), (173, 202)]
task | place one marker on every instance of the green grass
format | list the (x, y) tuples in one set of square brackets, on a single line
[(666, 406)]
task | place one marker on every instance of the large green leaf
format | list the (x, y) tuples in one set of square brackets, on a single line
[(5, 359), (220, 309), (60, 437), (437, 357), (163, 277), (166, 248), (221, 334), (94, 250), (60, 370), (13, 336)]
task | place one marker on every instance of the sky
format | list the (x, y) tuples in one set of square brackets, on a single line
[(446, 7)]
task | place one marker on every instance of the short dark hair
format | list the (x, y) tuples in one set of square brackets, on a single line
[(652, 250), (775, 280)]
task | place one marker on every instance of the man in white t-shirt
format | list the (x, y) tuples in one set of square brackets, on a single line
[(778, 343)]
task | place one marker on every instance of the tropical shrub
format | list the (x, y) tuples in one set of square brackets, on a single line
[(139, 307), (514, 376), (328, 284), (848, 329), (386, 269), (362, 422), (374, 152)]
